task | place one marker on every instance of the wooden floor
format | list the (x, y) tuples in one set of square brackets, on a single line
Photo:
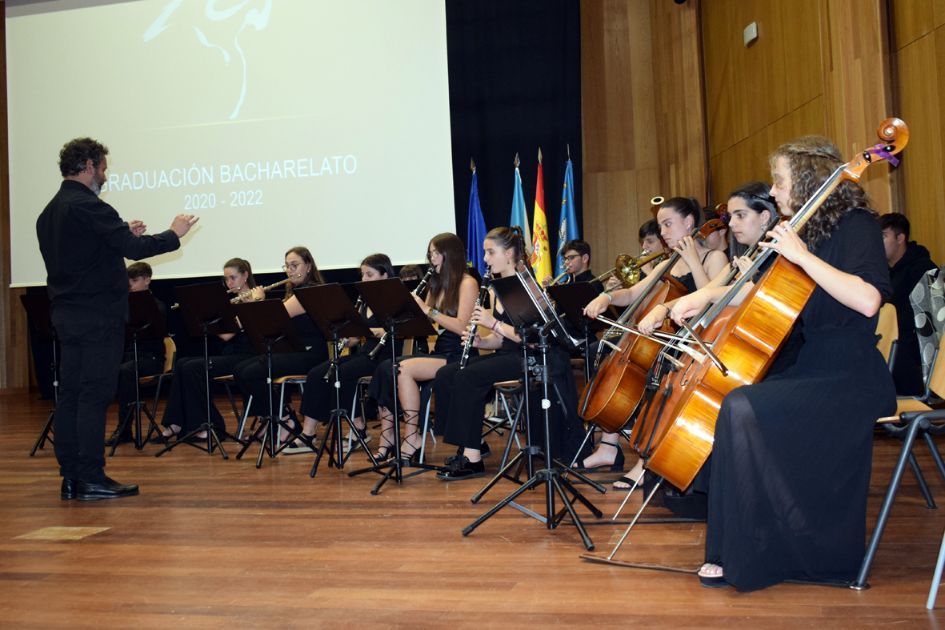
[(213, 543)]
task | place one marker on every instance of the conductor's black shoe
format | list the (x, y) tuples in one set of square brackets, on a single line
[(117, 438), (463, 469), (107, 489), (67, 490)]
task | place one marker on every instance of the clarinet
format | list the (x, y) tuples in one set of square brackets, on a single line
[(471, 331), (420, 287), (341, 342)]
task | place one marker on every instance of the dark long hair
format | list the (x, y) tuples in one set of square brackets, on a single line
[(510, 238), (687, 207), (314, 276), (242, 265), (812, 159), (444, 286), (757, 196), (379, 263)]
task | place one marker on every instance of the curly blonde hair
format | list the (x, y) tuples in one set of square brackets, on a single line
[(812, 159)]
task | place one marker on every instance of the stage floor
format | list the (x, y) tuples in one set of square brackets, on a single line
[(212, 543)]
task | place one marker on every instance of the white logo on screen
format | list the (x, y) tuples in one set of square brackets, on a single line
[(234, 14)]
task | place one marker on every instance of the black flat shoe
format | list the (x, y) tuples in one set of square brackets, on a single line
[(462, 469), (713, 582), (67, 490), (117, 438), (107, 489)]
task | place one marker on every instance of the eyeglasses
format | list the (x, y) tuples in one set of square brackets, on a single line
[(431, 254), (571, 257), (291, 266)]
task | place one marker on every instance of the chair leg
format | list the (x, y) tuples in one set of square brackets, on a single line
[(933, 450), (249, 405), (908, 441), (920, 479), (426, 428), (937, 576)]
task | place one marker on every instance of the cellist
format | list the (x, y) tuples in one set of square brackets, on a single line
[(751, 211), (697, 265), (791, 458)]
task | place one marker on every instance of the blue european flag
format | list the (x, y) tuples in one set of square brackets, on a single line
[(475, 228), (568, 229)]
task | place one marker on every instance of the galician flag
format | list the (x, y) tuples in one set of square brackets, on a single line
[(567, 229), (541, 249), (519, 217)]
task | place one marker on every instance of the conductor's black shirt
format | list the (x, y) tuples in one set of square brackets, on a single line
[(84, 243)]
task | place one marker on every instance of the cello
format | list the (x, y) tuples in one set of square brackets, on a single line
[(747, 339), (610, 398)]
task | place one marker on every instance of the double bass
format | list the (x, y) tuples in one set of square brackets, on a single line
[(747, 339), (610, 398)]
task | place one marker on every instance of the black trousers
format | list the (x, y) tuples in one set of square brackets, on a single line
[(92, 345), (461, 395), (187, 402), (319, 397), (251, 375)]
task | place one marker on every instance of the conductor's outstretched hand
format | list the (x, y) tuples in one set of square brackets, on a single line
[(182, 224)]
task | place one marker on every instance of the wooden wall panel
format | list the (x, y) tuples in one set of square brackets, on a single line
[(680, 104), (642, 116), (921, 85), (14, 346), (857, 84), (748, 160), (823, 67), (749, 88), (913, 19)]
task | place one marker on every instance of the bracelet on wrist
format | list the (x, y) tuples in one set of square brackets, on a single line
[(610, 298)]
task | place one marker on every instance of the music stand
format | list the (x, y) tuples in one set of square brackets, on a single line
[(393, 305), (329, 306), (571, 300), (145, 322), (206, 310), (270, 331), (37, 306), (530, 311)]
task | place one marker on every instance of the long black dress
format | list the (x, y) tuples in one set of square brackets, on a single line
[(792, 454)]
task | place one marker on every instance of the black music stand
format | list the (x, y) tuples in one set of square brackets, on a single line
[(145, 322), (37, 306), (206, 310), (271, 331), (529, 311), (403, 318), (332, 311), (571, 300)]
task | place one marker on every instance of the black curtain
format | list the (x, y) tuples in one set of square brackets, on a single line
[(515, 85)]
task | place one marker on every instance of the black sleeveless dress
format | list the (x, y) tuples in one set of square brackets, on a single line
[(792, 455)]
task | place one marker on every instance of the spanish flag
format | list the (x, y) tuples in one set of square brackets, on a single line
[(541, 249)]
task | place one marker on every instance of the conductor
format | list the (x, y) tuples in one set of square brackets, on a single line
[(84, 242)]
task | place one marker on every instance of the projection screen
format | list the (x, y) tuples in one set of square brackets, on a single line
[(280, 122)]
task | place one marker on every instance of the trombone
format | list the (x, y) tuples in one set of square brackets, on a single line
[(627, 268)]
